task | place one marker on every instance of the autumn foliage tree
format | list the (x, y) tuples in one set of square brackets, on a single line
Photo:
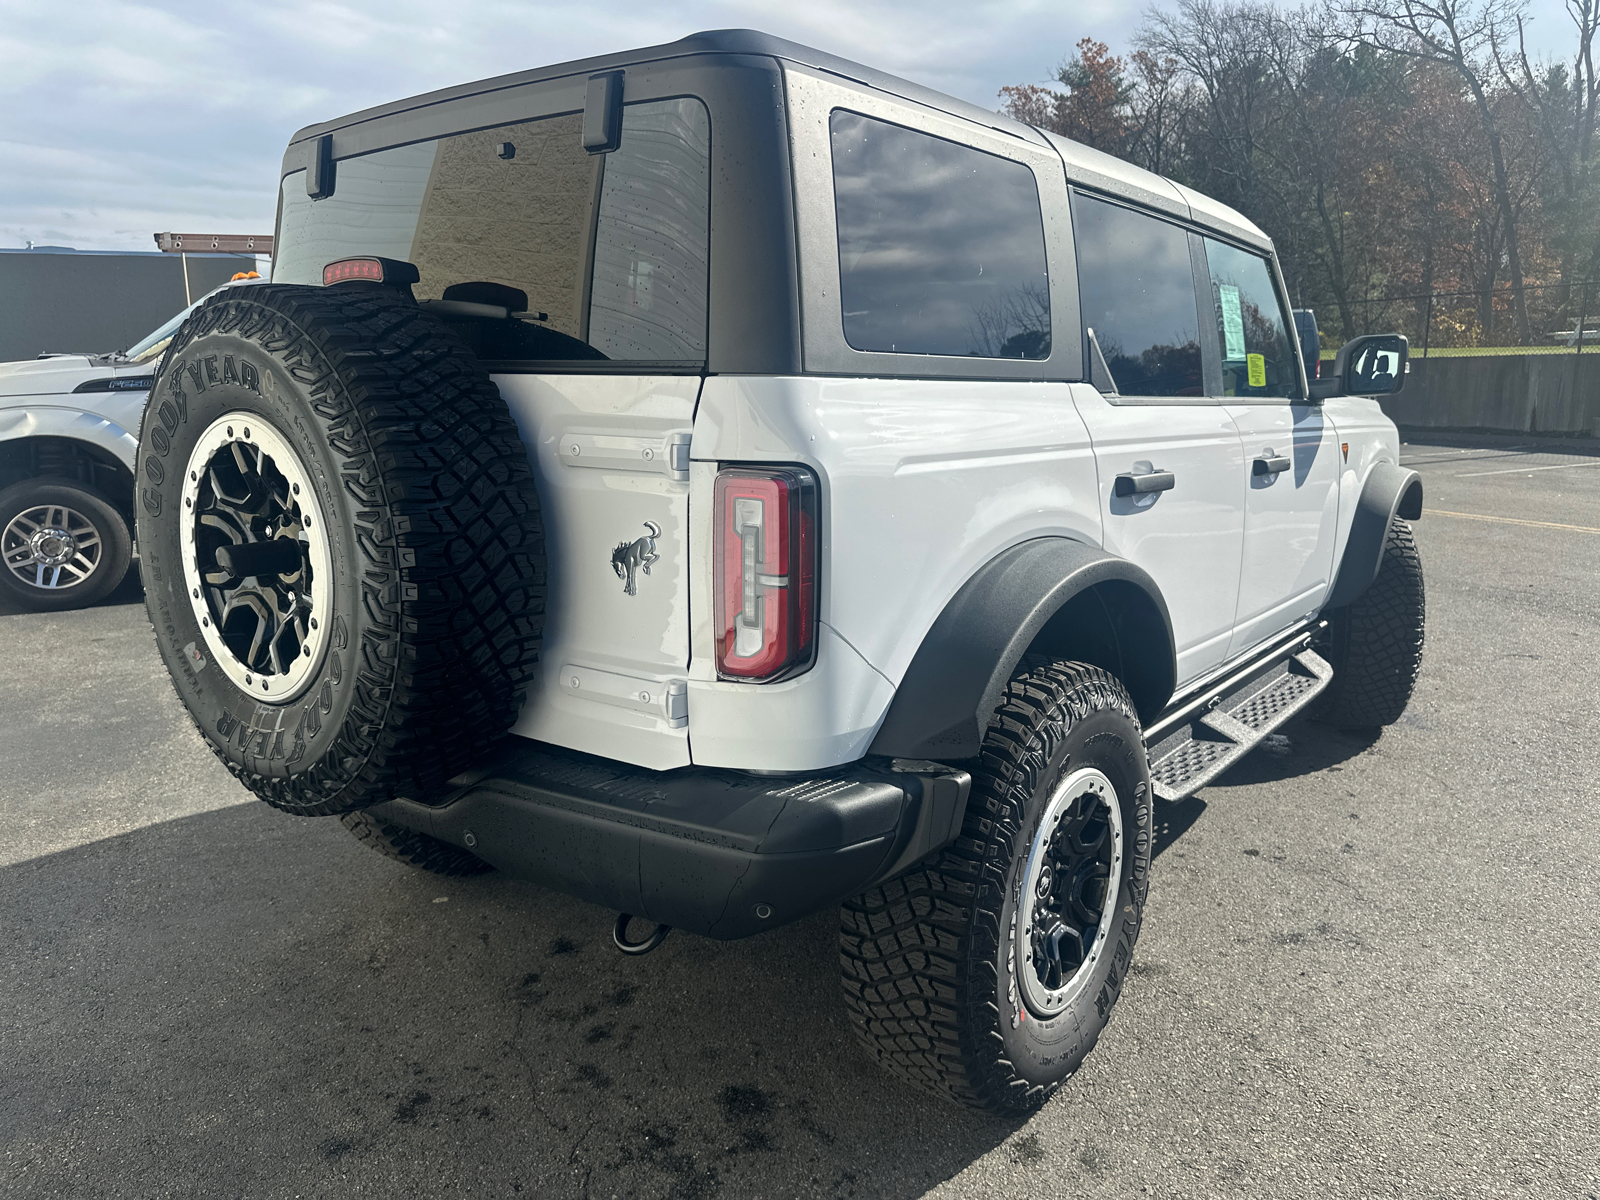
[(1394, 150), (1094, 107)]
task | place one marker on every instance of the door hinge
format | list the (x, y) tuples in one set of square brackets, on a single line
[(666, 699), (667, 455)]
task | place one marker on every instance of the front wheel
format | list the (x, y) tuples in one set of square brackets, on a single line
[(987, 974), (1374, 643), (62, 545)]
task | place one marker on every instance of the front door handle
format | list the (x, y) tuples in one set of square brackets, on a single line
[(1270, 465), (1143, 480)]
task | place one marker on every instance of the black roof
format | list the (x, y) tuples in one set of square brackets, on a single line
[(715, 41)]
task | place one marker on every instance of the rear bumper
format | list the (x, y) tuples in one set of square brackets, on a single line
[(714, 852)]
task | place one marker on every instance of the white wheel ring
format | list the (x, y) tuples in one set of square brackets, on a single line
[(255, 432), (1040, 1000)]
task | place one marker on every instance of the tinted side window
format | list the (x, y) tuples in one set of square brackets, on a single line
[(941, 247), (1136, 288), (522, 231), (1251, 329)]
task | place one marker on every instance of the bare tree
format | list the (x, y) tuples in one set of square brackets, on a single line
[(1156, 104), (1461, 34), (1566, 103), (1220, 46)]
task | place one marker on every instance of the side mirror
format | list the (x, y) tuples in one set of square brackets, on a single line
[(1373, 365)]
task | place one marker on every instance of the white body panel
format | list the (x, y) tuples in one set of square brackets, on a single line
[(613, 665), (1291, 519), (1190, 539), (923, 481)]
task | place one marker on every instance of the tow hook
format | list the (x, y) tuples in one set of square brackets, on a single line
[(619, 935)]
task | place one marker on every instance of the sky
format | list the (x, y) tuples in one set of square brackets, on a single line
[(119, 120)]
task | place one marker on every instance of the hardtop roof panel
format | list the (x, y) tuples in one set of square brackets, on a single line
[(715, 41), (1084, 165), (1104, 173), (1214, 214)]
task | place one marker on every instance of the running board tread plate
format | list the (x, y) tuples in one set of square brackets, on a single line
[(1195, 754)]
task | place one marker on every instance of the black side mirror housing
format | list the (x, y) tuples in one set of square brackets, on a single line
[(1372, 365)]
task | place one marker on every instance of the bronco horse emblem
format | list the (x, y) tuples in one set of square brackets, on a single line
[(631, 557)]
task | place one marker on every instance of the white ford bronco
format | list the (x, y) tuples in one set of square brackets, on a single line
[(724, 482)]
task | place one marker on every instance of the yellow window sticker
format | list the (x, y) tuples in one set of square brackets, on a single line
[(1256, 364)]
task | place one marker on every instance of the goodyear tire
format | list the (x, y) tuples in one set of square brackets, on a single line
[(341, 544), (1374, 643), (987, 974)]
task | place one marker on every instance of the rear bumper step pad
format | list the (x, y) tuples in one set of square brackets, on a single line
[(1193, 755), (714, 852)]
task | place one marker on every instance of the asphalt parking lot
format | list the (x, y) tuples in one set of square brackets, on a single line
[(1370, 967)]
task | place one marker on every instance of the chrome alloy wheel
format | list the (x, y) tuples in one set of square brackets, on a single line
[(1062, 920), (256, 562), (51, 546)]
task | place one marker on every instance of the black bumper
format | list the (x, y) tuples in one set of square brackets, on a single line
[(715, 852)]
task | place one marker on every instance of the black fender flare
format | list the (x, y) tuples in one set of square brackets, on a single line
[(1389, 492), (954, 683)]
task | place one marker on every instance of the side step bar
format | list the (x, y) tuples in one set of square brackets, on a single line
[(1203, 738)]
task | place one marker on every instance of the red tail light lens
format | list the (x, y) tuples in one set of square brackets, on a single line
[(765, 548), (371, 270), (352, 268)]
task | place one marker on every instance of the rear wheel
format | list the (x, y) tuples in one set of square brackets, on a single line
[(1374, 643), (987, 974), (62, 545)]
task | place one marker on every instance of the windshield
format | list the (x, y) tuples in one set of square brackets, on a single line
[(154, 344)]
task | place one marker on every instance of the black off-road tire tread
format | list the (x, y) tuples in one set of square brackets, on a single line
[(413, 848), (449, 529), (1376, 641), (920, 953), (116, 541)]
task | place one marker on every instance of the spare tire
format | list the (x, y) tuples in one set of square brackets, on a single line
[(341, 544)]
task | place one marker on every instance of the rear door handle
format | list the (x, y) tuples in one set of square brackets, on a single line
[(1135, 484), (1270, 466)]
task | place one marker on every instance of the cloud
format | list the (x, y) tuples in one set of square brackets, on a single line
[(119, 119)]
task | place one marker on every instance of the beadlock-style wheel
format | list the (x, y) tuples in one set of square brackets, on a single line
[(51, 547), (256, 563), (340, 543), (1067, 894), (988, 971)]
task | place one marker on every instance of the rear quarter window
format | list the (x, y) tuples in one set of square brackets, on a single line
[(941, 247)]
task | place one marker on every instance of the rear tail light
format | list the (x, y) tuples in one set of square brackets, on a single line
[(765, 550)]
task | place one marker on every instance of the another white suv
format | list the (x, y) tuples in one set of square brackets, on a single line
[(723, 482)]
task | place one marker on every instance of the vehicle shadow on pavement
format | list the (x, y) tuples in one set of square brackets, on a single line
[(248, 1003), (129, 591), (1302, 747)]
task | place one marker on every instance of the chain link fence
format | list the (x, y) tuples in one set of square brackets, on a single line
[(1562, 319)]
